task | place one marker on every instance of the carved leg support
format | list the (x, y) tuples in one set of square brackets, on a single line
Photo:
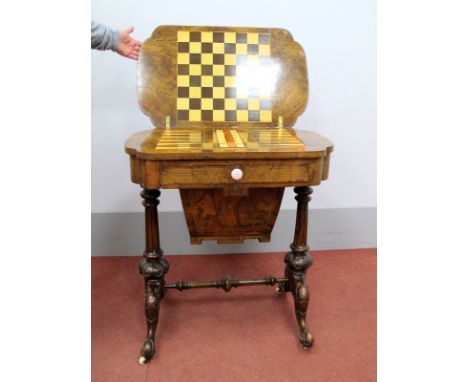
[(153, 268), (297, 262)]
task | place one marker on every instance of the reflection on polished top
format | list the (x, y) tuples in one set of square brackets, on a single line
[(221, 77), (231, 140), (224, 76)]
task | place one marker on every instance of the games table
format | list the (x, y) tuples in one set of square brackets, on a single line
[(223, 101)]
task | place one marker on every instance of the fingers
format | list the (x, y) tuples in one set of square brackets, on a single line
[(135, 42), (124, 34), (135, 52), (128, 46)]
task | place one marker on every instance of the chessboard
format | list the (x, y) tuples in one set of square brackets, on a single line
[(217, 140), (224, 76)]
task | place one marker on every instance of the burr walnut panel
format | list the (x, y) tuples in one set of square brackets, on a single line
[(221, 77), (210, 214)]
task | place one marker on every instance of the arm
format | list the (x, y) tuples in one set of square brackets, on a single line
[(104, 37)]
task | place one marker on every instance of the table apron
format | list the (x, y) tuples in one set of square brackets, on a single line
[(214, 174)]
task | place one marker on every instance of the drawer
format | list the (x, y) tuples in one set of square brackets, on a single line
[(204, 174)]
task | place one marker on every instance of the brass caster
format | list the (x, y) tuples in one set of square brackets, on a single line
[(142, 360)]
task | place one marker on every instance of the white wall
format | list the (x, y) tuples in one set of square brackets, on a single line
[(339, 38)]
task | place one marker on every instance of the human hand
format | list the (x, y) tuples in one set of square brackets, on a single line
[(128, 46)]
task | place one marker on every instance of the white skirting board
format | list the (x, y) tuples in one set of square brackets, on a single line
[(122, 233)]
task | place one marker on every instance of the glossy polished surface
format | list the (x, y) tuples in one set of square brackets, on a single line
[(242, 142), (207, 140), (224, 76), (217, 76)]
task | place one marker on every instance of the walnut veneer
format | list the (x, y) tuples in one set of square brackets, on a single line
[(224, 101)]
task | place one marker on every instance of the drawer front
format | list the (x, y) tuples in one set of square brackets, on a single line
[(173, 175)]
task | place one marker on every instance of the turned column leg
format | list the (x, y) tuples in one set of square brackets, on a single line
[(153, 268), (297, 262)]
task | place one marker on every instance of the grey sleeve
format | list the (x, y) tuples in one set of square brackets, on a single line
[(103, 37)]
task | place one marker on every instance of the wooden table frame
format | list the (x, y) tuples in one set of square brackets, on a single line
[(224, 101), (154, 268), (153, 171)]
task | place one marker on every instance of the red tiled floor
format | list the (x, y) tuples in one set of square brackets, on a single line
[(248, 334)]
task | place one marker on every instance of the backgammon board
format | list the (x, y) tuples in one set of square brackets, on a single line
[(219, 140)]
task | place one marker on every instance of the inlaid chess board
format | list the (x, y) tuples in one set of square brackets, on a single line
[(220, 77), (224, 76), (216, 140)]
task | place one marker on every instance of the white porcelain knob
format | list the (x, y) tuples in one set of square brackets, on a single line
[(142, 360), (237, 174)]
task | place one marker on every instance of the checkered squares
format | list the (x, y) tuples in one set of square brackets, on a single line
[(224, 77)]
